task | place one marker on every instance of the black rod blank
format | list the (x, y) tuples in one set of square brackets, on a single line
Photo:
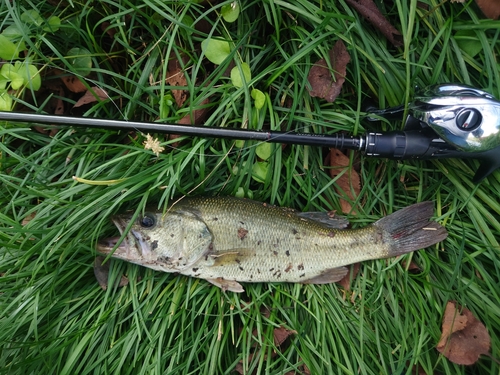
[(308, 139)]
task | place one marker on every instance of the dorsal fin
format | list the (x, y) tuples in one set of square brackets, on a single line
[(329, 219)]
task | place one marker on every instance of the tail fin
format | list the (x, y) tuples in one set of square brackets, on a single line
[(410, 228)]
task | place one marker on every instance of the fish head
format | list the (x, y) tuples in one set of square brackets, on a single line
[(167, 242), (135, 246)]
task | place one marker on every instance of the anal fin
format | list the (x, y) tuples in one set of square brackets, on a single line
[(328, 276), (227, 285)]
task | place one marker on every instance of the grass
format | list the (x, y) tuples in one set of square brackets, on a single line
[(54, 318)]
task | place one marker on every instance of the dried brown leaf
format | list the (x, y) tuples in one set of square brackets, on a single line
[(351, 275), (28, 218), (303, 370), (73, 84), (412, 267), (281, 334), (323, 84), (91, 96), (490, 8), (197, 116), (177, 78), (372, 14), (463, 338), (349, 183), (101, 272)]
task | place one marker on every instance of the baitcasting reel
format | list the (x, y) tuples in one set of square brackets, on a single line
[(444, 121)]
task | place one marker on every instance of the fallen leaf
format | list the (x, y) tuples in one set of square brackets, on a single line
[(349, 184), (197, 116), (323, 85), (108, 29), (280, 335), (177, 78), (101, 272), (490, 8), (412, 267), (59, 104), (93, 95), (345, 282), (303, 370), (372, 14), (463, 338), (28, 218), (73, 84)]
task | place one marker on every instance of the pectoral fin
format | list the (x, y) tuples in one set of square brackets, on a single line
[(328, 276), (231, 256), (231, 285)]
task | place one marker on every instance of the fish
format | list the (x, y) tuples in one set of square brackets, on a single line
[(228, 241)]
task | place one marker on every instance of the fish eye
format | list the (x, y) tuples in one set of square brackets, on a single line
[(148, 220)]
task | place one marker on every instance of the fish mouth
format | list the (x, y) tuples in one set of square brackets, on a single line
[(131, 248)]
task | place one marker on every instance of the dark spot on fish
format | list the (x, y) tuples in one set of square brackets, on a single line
[(242, 223), (297, 237), (275, 245), (197, 274), (154, 244), (294, 231), (241, 268), (172, 235), (195, 269), (251, 276), (331, 234), (238, 261), (287, 253), (277, 274), (258, 270), (302, 275), (275, 252), (258, 242), (271, 270), (242, 233), (211, 246), (215, 218), (289, 267), (300, 266)]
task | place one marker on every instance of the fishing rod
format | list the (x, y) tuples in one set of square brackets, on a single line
[(444, 121)]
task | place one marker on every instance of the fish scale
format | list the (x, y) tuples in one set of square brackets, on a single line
[(228, 240)]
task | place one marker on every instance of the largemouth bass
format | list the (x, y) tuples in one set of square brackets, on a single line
[(228, 240)]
